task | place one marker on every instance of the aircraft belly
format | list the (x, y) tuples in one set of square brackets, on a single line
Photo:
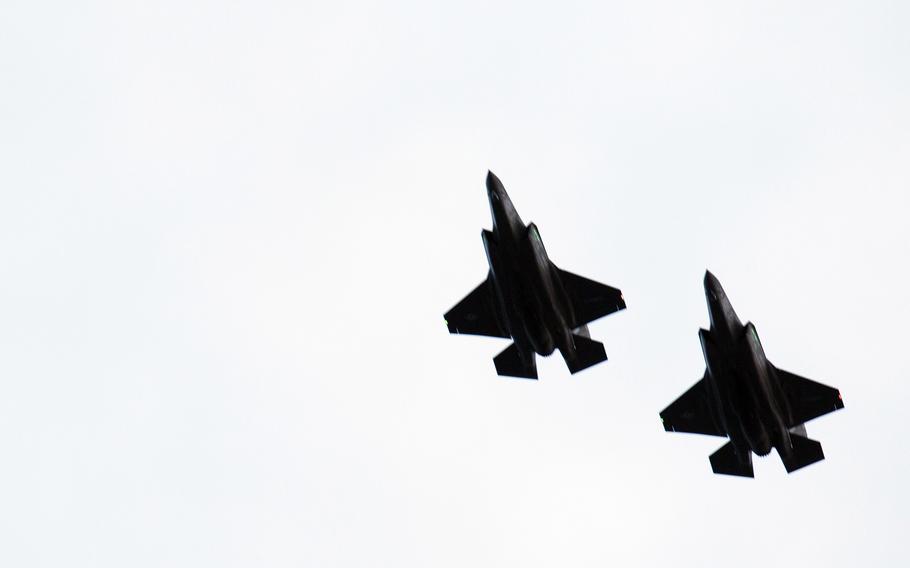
[(769, 403)]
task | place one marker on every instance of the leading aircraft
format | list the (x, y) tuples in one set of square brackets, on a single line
[(744, 397), (528, 299)]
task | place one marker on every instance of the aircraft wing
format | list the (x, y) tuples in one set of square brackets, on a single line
[(590, 299), (475, 314), (691, 413), (808, 399)]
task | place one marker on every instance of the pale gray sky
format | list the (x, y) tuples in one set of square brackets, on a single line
[(229, 231)]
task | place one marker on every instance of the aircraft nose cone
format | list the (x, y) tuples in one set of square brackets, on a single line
[(712, 284), (494, 186)]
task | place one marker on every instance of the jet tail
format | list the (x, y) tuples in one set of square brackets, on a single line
[(726, 461), (510, 363), (805, 451), (587, 353)]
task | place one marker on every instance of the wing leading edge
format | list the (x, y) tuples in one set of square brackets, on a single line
[(475, 314), (590, 300), (691, 413), (808, 399)]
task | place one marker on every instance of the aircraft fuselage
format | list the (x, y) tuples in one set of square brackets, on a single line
[(532, 301), (744, 391)]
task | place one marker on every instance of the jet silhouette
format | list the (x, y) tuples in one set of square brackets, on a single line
[(744, 397), (526, 298)]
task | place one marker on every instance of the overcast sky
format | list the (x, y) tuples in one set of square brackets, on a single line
[(229, 232)]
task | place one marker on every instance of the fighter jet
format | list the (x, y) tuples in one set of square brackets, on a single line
[(744, 397), (526, 298)]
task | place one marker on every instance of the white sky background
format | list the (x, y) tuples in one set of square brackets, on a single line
[(229, 231)]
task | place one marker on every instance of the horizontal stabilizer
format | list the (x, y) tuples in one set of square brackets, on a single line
[(805, 451), (590, 299), (726, 461), (587, 353), (510, 363), (475, 314)]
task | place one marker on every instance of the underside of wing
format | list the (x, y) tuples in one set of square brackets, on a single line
[(691, 413), (808, 399), (476, 313), (590, 300)]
